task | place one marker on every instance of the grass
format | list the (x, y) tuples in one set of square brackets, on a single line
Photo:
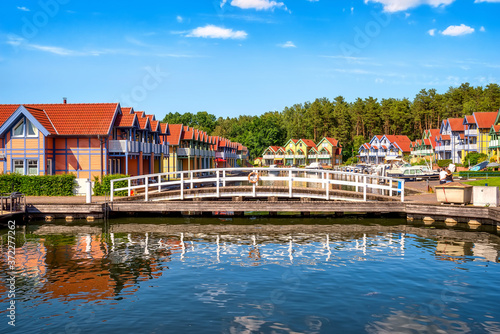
[(491, 181)]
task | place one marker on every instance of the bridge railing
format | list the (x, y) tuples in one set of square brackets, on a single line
[(292, 178)]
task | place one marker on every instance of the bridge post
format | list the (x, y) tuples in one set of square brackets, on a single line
[(112, 193), (146, 197), (217, 183), (128, 188), (290, 183), (254, 190), (357, 180), (182, 185), (390, 189), (323, 180), (402, 190), (159, 181), (191, 178), (224, 179), (364, 188), (328, 187)]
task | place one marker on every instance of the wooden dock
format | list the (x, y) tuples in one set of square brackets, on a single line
[(412, 210)]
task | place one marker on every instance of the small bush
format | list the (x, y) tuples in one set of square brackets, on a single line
[(473, 158), (38, 185), (444, 163), (104, 187)]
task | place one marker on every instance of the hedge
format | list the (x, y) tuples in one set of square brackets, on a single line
[(38, 185), (103, 188), (470, 174)]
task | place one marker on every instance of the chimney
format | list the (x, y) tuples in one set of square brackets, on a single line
[(65, 100)]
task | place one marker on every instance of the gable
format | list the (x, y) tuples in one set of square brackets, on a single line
[(21, 112)]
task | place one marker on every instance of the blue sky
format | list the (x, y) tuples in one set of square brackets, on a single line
[(238, 57)]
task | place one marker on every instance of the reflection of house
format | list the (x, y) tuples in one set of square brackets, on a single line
[(453, 250)]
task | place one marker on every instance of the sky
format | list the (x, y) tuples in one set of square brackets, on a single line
[(242, 57)]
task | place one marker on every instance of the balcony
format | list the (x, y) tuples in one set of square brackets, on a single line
[(268, 156), (312, 156), (289, 156), (470, 147), (471, 132), (494, 143), (279, 156), (300, 156), (123, 146), (324, 156), (146, 148), (183, 152)]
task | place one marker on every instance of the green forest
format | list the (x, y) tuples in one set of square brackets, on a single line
[(352, 123)]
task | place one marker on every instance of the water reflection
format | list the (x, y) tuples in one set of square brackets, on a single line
[(294, 262)]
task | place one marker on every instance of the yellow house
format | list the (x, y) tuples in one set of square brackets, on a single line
[(477, 131), (329, 151), (290, 148)]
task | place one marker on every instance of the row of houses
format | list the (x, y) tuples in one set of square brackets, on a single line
[(456, 137), (301, 152), (96, 139)]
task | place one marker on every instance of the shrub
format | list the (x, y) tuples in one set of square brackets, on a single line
[(473, 158), (493, 158), (351, 161), (444, 163), (38, 185), (104, 187)]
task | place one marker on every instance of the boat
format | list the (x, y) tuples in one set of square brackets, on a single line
[(413, 173)]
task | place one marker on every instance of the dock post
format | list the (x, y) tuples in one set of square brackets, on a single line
[(290, 183), (191, 178), (146, 197)]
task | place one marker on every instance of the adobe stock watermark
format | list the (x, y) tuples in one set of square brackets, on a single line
[(363, 37), (32, 24), (11, 281), (151, 81)]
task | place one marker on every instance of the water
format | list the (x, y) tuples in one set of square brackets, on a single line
[(253, 275)]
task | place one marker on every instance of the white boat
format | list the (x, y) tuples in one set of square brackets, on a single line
[(413, 173)]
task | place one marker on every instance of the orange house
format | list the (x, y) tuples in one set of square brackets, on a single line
[(86, 139)]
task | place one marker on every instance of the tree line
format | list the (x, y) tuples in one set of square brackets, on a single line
[(352, 123)]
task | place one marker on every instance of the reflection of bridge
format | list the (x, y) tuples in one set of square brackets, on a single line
[(271, 183)]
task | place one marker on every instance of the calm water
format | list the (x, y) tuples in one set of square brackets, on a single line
[(260, 275)]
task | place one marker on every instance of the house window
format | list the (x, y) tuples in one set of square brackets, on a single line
[(31, 129), (19, 129), (48, 168), (24, 126), (32, 167), (18, 166)]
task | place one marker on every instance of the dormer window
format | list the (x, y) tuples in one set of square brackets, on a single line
[(24, 128)]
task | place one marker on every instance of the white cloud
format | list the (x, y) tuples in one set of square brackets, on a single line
[(497, 1), (400, 5), (53, 49), (458, 30), (431, 32), (482, 29), (179, 19), (255, 4), (211, 31), (24, 9), (288, 44)]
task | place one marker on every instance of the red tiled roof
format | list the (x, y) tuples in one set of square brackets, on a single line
[(428, 142), (80, 118), (125, 120), (143, 122), (175, 134), (151, 117), (375, 147), (397, 138), (41, 116), (445, 137), (308, 142), (294, 140), (140, 114), (378, 137), (470, 119), (456, 124), (384, 147), (187, 133), (366, 145), (485, 119), (496, 128), (164, 127), (126, 110), (332, 141), (6, 110), (155, 126)]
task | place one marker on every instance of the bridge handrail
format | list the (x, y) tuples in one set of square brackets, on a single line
[(323, 179)]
